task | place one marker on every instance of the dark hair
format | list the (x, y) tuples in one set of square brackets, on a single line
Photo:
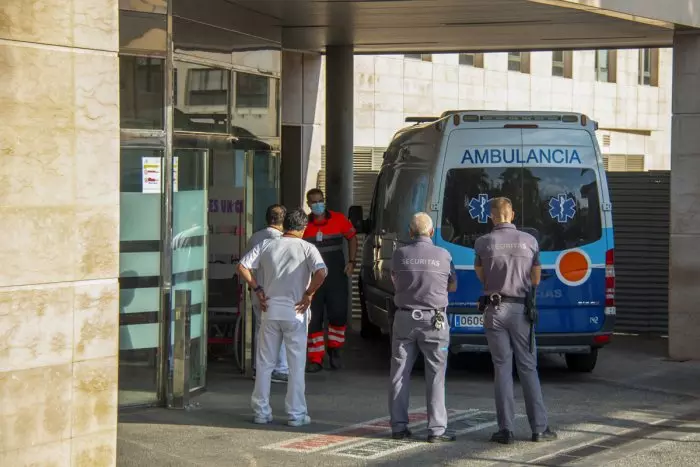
[(275, 214), (295, 221), (314, 191)]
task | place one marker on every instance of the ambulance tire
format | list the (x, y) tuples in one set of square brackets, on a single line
[(367, 330), (582, 363)]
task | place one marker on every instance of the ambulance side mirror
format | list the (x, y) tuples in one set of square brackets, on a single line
[(357, 219)]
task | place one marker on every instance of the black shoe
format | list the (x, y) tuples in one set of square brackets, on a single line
[(503, 437), (403, 434), (334, 359), (546, 435), (314, 367), (446, 438)]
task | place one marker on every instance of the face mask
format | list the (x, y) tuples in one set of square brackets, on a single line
[(318, 208)]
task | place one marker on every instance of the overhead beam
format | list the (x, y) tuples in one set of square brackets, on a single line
[(660, 13)]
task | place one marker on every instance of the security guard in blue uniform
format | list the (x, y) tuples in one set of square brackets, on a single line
[(422, 274), (508, 265)]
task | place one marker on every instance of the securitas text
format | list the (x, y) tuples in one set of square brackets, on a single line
[(516, 156), (431, 262)]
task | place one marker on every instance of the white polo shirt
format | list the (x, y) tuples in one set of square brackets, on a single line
[(283, 268)]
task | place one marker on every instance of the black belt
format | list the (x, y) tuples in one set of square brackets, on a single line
[(410, 310), (503, 299), (520, 300)]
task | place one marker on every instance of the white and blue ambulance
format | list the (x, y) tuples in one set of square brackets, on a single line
[(550, 166)]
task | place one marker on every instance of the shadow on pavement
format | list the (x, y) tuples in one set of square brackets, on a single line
[(582, 405)]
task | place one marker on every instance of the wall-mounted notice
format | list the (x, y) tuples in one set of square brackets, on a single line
[(151, 174)]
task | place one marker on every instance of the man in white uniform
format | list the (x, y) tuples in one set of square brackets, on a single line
[(288, 271), (274, 216)]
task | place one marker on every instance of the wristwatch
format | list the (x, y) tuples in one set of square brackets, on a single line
[(258, 289)]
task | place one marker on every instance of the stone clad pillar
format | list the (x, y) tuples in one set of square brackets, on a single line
[(59, 241), (684, 285)]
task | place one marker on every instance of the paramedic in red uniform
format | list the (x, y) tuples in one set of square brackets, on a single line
[(326, 230)]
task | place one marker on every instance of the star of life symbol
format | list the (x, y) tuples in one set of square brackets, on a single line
[(562, 208), (480, 208)]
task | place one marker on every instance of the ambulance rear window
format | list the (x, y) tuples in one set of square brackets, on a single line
[(560, 206)]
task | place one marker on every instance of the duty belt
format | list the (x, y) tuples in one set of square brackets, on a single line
[(495, 299), (438, 321), (428, 310)]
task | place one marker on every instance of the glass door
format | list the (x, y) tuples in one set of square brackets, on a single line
[(266, 184), (139, 275), (189, 270)]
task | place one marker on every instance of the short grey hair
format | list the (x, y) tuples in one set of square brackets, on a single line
[(421, 224), (295, 221)]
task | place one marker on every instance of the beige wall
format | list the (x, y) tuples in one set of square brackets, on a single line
[(59, 205), (390, 88)]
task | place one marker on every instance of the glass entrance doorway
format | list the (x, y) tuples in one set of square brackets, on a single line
[(182, 304)]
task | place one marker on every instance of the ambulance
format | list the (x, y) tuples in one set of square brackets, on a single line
[(550, 166)]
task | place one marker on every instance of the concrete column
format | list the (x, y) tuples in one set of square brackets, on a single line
[(339, 126), (684, 291), (301, 122)]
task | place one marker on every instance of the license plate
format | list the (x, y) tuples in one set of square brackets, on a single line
[(469, 321)]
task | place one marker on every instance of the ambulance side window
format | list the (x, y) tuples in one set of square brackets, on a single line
[(384, 195), (376, 199), (406, 195)]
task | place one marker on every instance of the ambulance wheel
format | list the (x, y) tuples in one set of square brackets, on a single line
[(367, 330), (582, 363)]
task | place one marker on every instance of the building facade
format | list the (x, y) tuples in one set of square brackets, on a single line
[(141, 143), (140, 139), (628, 91)]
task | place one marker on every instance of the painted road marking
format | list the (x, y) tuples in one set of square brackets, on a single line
[(352, 434), (375, 449)]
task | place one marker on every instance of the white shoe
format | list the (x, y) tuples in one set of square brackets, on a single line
[(305, 420), (262, 420)]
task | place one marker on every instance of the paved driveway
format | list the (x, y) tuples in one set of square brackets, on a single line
[(635, 409)]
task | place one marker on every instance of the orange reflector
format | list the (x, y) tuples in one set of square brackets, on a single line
[(456, 119), (584, 120)]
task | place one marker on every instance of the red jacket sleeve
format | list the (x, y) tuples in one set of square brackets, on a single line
[(347, 229)]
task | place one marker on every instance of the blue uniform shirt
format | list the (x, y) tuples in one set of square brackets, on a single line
[(507, 256), (421, 272)]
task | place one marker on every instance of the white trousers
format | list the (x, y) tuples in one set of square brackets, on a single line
[(272, 334), (281, 364)]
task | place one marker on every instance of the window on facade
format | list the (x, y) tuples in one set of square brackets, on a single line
[(207, 87), (519, 61), (252, 91), (562, 63), (605, 66), (475, 60), (141, 92), (648, 67), (558, 63), (201, 97), (423, 57)]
